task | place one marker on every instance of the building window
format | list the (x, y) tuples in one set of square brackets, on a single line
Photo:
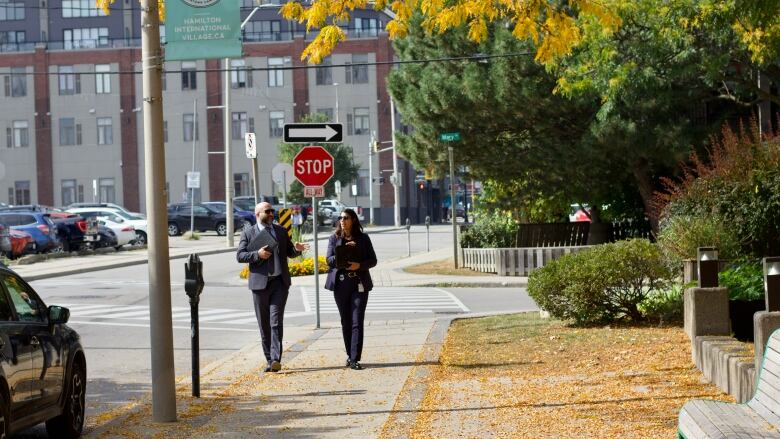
[(240, 76), (358, 74), (275, 77), (276, 128), (105, 131), (16, 83), (106, 189), (240, 125), (85, 38), (263, 30), (362, 182), (68, 191), (80, 8), (102, 79), (241, 184), (17, 135), (70, 132), (327, 112), (21, 193), (325, 72), (11, 11), (70, 83), (189, 79), (190, 126), (358, 122), (10, 40), (365, 27)]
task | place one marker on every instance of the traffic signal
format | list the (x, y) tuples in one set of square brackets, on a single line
[(375, 146), (421, 185)]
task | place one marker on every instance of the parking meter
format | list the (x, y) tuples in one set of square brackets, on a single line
[(193, 285), (193, 278)]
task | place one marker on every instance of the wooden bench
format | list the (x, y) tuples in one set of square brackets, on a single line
[(758, 418)]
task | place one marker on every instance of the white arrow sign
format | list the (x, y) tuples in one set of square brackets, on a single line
[(313, 132)]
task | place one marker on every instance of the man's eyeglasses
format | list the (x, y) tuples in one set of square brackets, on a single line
[(268, 211), (342, 218)]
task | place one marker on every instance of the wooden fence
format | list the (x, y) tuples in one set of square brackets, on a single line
[(513, 261)]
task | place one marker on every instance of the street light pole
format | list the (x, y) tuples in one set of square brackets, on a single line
[(452, 206), (371, 179), (396, 177), (160, 321)]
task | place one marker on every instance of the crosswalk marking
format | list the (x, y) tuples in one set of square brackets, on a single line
[(392, 300)]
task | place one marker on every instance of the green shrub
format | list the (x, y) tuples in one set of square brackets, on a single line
[(665, 305), (744, 279), (681, 236), (491, 231), (603, 284)]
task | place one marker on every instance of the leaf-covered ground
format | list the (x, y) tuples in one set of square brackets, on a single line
[(522, 376)]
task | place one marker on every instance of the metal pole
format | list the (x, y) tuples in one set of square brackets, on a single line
[(316, 262), (228, 167), (397, 182), (192, 189), (284, 188), (195, 336), (255, 183), (160, 322), (452, 208), (371, 180)]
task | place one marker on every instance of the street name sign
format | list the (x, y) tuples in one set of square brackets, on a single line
[(202, 29), (449, 137), (313, 133), (251, 146), (313, 166)]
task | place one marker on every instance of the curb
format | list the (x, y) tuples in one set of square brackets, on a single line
[(110, 265)]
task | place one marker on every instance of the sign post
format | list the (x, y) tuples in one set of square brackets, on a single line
[(193, 182), (282, 174), (452, 137), (251, 153), (313, 167)]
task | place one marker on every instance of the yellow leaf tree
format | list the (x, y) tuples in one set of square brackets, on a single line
[(552, 27)]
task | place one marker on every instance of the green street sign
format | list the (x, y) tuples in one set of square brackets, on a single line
[(202, 29), (449, 137)]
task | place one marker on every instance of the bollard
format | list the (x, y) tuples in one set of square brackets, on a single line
[(408, 238), (772, 283), (193, 285), (707, 258), (428, 233)]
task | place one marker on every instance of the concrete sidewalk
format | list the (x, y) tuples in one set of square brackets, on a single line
[(313, 396)]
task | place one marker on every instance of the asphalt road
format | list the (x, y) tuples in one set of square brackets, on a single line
[(109, 309)]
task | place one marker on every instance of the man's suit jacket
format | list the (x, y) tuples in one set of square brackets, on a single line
[(367, 260), (258, 268)]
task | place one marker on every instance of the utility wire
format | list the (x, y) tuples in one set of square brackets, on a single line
[(471, 58)]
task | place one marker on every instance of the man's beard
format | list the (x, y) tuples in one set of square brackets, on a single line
[(267, 220)]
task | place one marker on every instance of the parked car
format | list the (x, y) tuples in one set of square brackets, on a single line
[(112, 206), (139, 224), (337, 206), (246, 215), (5, 239), (125, 233), (42, 363), (247, 203), (29, 208), (22, 243), (205, 218), (37, 224), (72, 231)]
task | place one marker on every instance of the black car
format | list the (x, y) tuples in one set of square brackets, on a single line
[(205, 218), (43, 370)]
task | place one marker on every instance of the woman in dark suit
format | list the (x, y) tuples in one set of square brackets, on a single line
[(351, 285)]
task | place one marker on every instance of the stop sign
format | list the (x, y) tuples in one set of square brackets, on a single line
[(313, 166)]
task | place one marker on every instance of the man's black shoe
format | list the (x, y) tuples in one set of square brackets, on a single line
[(349, 363), (354, 365), (276, 366), (268, 369)]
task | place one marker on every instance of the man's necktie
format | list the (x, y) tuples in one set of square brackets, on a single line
[(272, 259)]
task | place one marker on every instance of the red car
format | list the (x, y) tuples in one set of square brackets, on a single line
[(22, 243)]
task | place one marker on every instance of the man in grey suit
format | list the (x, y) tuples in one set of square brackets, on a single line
[(266, 247)]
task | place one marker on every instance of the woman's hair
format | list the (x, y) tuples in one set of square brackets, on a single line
[(357, 228)]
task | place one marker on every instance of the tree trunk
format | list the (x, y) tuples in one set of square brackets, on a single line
[(641, 171)]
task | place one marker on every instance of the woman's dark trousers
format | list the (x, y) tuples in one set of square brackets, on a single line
[(352, 309)]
